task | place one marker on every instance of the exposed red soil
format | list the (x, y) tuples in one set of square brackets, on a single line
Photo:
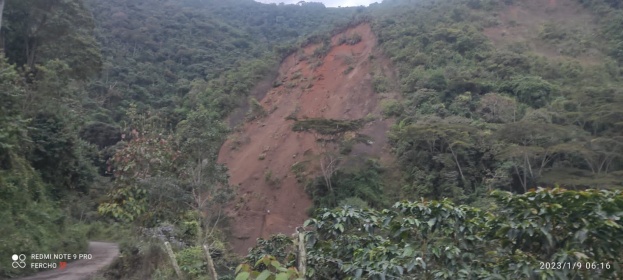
[(521, 23), (339, 88)]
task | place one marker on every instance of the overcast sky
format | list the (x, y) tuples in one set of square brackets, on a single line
[(328, 3)]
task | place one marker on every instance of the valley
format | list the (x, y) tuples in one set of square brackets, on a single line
[(406, 139)]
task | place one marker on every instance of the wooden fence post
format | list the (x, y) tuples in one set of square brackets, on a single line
[(302, 253), (178, 271), (211, 268)]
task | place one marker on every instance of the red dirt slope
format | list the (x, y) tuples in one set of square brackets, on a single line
[(261, 154)]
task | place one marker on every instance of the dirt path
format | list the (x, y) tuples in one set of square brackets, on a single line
[(103, 254)]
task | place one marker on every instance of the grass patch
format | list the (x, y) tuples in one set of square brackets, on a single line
[(291, 85), (380, 84), (296, 75), (299, 170), (238, 140), (271, 179), (292, 116), (350, 40), (327, 126), (346, 145), (348, 70), (257, 111), (392, 108)]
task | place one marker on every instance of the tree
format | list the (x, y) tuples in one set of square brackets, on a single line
[(29, 217), (497, 108), (1, 10), (146, 188), (40, 30), (328, 166), (12, 125), (200, 136), (600, 152), (443, 152), (59, 155), (532, 146), (531, 90)]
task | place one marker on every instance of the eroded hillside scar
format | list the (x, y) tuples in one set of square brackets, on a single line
[(268, 153)]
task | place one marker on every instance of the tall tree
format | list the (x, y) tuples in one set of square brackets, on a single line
[(532, 147), (200, 136), (39, 30), (1, 10)]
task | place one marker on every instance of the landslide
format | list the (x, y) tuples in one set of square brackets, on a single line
[(323, 82)]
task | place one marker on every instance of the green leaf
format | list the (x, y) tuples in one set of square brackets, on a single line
[(264, 275), (581, 235), (340, 227), (550, 239), (408, 252), (580, 255), (282, 276), (243, 276), (611, 223), (432, 222), (358, 273)]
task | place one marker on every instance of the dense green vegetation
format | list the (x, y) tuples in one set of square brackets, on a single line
[(528, 236), (112, 114), (327, 126), (172, 56), (44, 164), (478, 118), (95, 93)]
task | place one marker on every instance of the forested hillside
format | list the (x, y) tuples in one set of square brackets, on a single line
[(155, 52), (505, 116), (424, 139)]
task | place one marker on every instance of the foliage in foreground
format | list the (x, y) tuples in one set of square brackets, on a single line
[(272, 270), (519, 237)]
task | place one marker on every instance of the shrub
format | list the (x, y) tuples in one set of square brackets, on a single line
[(327, 126), (271, 179), (392, 108), (363, 182), (531, 90), (257, 110), (380, 84), (299, 171), (192, 261), (354, 202), (348, 70)]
